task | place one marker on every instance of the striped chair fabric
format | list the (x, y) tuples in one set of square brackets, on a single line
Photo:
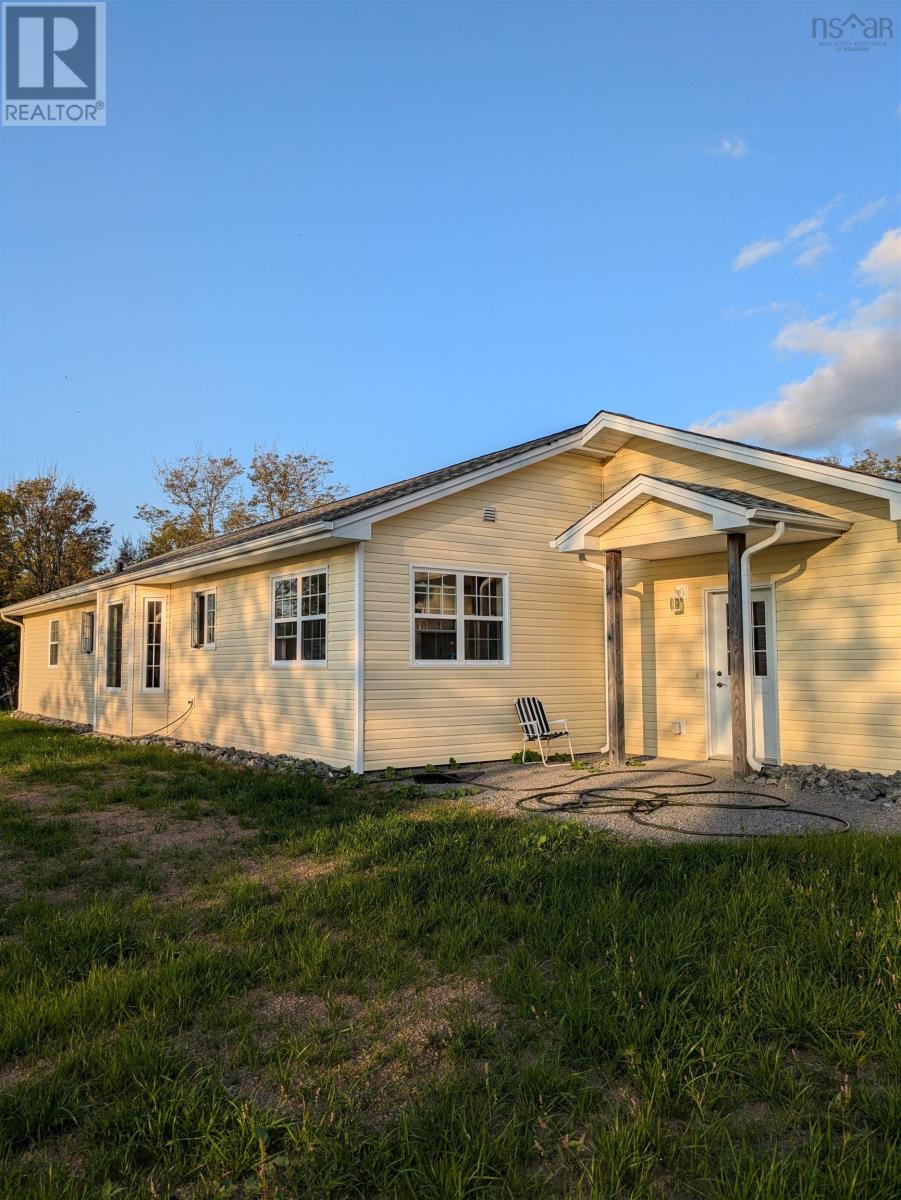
[(536, 727)]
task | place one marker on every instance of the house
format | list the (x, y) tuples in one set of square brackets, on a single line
[(716, 599)]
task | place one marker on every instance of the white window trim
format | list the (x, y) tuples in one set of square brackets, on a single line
[(88, 612), (50, 642), (153, 691), (106, 687), (203, 592), (293, 663), (467, 663)]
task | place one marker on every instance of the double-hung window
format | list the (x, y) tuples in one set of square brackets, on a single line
[(153, 645), (87, 632), (459, 616), (53, 656), (300, 617), (203, 620), (114, 621)]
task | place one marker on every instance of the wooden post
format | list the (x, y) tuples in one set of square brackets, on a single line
[(616, 709), (735, 623)]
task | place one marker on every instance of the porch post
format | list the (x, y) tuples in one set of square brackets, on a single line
[(616, 711), (735, 619)]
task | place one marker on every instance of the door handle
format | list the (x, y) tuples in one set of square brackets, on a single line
[(720, 685)]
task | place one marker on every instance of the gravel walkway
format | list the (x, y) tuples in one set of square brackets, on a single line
[(652, 800)]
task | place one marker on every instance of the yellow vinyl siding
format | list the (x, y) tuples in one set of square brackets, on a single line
[(240, 698), (65, 691), (656, 521), (837, 616), (428, 713)]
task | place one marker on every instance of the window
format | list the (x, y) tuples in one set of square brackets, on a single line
[(87, 632), (114, 646), (311, 616), (54, 644), (153, 645), (758, 629), (458, 617), (313, 599), (203, 620)]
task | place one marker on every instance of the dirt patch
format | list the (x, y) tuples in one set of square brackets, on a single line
[(751, 1115), (381, 1052), (20, 1070), (277, 870)]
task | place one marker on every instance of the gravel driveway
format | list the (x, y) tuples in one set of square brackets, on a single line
[(666, 800)]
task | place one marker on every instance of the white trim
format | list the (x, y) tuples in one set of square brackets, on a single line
[(51, 642), (145, 688), (106, 687), (359, 658), (355, 527), (204, 591), (772, 654), (87, 612), (460, 618), (96, 659), (786, 464), (298, 574), (726, 515)]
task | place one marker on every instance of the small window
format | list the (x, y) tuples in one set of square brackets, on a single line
[(54, 643), (153, 645), (458, 617), (87, 632), (758, 629), (299, 617), (114, 646), (203, 620)]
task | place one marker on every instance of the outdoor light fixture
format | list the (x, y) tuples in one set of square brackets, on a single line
[(677, 600)]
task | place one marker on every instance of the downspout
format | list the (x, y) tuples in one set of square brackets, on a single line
[(19, 624), (586, 562), (359, 752), (747, 631)]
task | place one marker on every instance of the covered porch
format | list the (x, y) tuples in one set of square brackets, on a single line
[(651, 520)]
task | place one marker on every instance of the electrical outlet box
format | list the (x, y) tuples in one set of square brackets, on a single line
[(678, 727)]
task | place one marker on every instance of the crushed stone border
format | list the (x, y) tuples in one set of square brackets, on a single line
[(253, 760)]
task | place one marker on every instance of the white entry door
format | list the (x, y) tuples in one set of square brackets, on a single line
[(762, 667)]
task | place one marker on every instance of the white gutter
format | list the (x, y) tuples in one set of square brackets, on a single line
[(747, 637), (586, 562), (359, 660)]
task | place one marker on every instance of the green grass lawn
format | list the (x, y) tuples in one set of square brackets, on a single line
[(222, 984)]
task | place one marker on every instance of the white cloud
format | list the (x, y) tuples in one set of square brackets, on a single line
[(810, 227), (755, 253), (814, 249), (863, 214), (849, 400), (730, 147), (883, 262)]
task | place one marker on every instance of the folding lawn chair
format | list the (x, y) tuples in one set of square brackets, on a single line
[(537, 728)]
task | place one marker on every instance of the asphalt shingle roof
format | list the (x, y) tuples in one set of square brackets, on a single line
[(745, 499)]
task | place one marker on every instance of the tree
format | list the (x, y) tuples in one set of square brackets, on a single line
[(129, 550), (49, 538), (208, 494), (870, 463), (283, 484), (206, 498)]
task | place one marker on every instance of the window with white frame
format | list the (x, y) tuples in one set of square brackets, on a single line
[(203, 620), (300, 617), (87, 632), (459, 616), (114, 622), (53, 657), (153, 645)]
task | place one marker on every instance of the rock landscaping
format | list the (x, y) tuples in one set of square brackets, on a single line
[(855, 785), (252, 760)]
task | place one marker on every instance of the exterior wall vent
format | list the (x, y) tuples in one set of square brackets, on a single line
[(489, 514)]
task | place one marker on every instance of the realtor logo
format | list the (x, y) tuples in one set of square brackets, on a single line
[(54, 64)]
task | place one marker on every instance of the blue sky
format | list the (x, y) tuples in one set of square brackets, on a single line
[(399, 235)]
